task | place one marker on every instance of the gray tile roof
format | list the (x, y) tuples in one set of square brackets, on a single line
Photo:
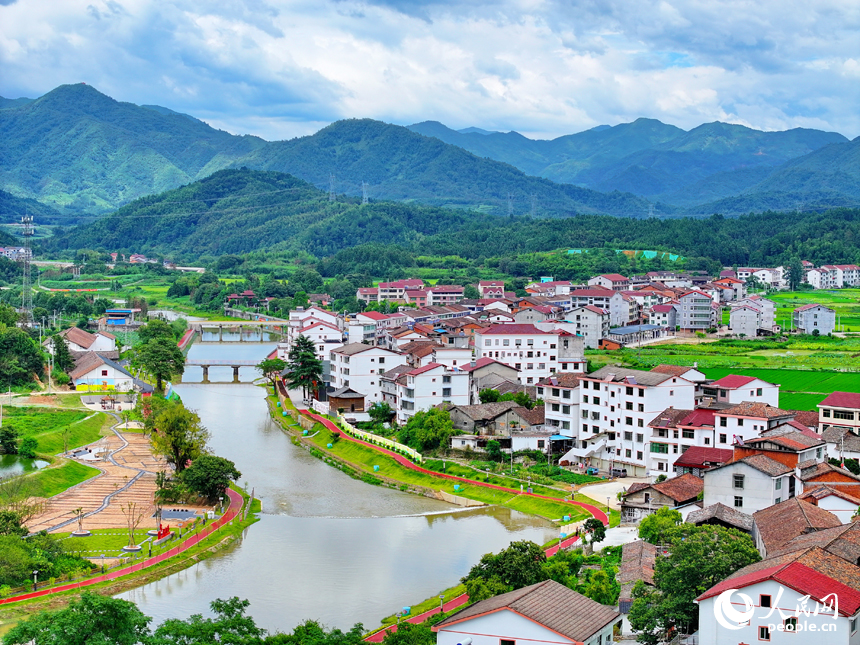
[(723, 513), (620, 373), (548, 603)]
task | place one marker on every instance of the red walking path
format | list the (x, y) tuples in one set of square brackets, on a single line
[(462, 599), (232, 511)]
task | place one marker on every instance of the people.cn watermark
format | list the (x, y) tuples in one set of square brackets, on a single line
[(729, 617)]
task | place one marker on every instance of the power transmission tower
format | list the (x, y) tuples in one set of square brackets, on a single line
[(331, 187), (27, 292), (650, 210), (510, 205), (364, 192), (533, 210)]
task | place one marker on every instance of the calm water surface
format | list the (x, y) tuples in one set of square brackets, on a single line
[(328, 547)]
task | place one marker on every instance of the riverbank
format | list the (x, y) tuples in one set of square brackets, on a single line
[(203, 544)]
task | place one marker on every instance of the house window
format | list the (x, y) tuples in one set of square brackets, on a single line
[(585, 385), (707, 441), (555, 407), (565, 394), (688, 434), (628, 405), (446, 391), (627, 453), (506, 642), (722, 438), (555, 391), (790, 625), (778, 484), (565, 409), (740, 423), (739, 502), (826, 413), (446, 379), (595, 400), (739, 481), (723, 422), (647, 497), (639, 455), (104, 372), (641, 407), (628, 436), (639, 438), (642, 393), (629, 391), (628, 421), (640, 423), (758, 392), (540, 443)]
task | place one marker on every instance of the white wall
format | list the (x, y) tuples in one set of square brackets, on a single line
[(505, 624), (758, 492)]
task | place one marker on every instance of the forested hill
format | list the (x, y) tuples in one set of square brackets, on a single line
[(12, 209), (82, 151), (238, 211), (400, 165), (690, 171)]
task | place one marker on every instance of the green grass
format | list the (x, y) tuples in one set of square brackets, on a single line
[(47, 425), (800, 400), (52, 481), (107, 541), (799, 380), (366, 458)]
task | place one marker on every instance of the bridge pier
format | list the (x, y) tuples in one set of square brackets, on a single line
[(236, 374), (220, 333), (205, 373), (241, 327)]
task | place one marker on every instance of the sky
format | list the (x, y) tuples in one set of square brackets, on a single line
[(285, 68)]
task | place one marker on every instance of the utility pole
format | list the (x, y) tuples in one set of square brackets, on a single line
[(331, 187), (363, 192), (27, 293), (510, 205)]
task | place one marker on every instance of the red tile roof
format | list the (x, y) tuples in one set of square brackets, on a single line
[(426, 368), (733, 381), (597, 292), (615, 277), (699, 418), (843, 400), (700, 456), (374, 315), (517, 329), (481, 362)]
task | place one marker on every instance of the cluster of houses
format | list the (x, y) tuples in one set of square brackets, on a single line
[(828, 276), (97, 364), (16, 253)]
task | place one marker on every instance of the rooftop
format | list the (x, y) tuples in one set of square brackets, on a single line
[(625, 374), (785, 521), (722, 513), (842, 400), (547, 603), (755, 409)]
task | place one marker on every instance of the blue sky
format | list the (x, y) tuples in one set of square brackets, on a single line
[(285, 68)]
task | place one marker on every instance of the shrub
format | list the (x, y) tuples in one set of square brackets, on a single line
[(28, 447)]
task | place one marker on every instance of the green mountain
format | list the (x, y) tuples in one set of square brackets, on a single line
[(13, 103), (660, 162), (238, 211), (12, 209), (400, 165), (79, 150)]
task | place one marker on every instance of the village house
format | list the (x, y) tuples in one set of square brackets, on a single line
[(359, 367), (642, 500), (665, 316), (842, 504), (697, 311), (560, 394), (95, 372), (489, 374), (721, 515), (79, 341), (591, 322), (776, 525), (531, 351), (540, 614), (750, 484), (813, 318), (805, 578), (736, 389), (491, 289), (422, 388), (612, 281)]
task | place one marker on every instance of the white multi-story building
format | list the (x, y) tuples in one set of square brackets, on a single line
[(444, 294), (848, 274), (325, 338), (613, 281), (530, 350), (811, 318), (622, 309), (360, 368), (665, 316), (560, 394), (494, 289), (697, 311), (591, 322), (744, 320), (735, 389), (422, 388), (620, 402)]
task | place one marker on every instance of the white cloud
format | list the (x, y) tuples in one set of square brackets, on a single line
[(281, 68)]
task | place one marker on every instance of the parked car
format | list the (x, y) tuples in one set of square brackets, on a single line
[(618, 472)]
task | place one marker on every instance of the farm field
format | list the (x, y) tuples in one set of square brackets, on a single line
[(845, 302), (800, 401)]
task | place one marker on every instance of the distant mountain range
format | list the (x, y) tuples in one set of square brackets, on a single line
[(80, 151)]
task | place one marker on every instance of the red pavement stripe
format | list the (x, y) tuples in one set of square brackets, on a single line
[(235, 498), (377, 637)]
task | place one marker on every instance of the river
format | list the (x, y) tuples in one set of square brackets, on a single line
[(327, 547)]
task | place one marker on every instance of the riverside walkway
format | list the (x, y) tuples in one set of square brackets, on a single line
[(459, 601), (236, 502)]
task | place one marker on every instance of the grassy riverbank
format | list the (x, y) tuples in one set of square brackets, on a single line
[(363, 459), (206, 548)]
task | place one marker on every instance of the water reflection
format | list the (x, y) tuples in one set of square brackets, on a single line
[(327, 547)]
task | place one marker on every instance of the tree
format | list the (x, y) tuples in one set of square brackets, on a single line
[(311, 632), (428, 430), (133, 514), (62, 357), (488, 395), (494, 450), (162, 359), (28, 447), (795, 274), (520, 565), (92, 620), (596, 528), (409, 634), (380, 412), (179, 436), (18, 496), (9, 439), (209, 476), (230, 625), (657, 527), (601, 588), (700, 557), (521, 398), (10, 524), (470, 292), (304, 369), (271, 369)]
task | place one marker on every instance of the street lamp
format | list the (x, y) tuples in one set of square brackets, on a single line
[(441, 604), (103, 562), (487, 470), (35, 579)]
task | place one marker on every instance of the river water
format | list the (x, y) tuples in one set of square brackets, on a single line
[(327, 547)]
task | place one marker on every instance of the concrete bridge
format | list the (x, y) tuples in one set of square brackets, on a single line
[(206, 363), (272, 327)]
